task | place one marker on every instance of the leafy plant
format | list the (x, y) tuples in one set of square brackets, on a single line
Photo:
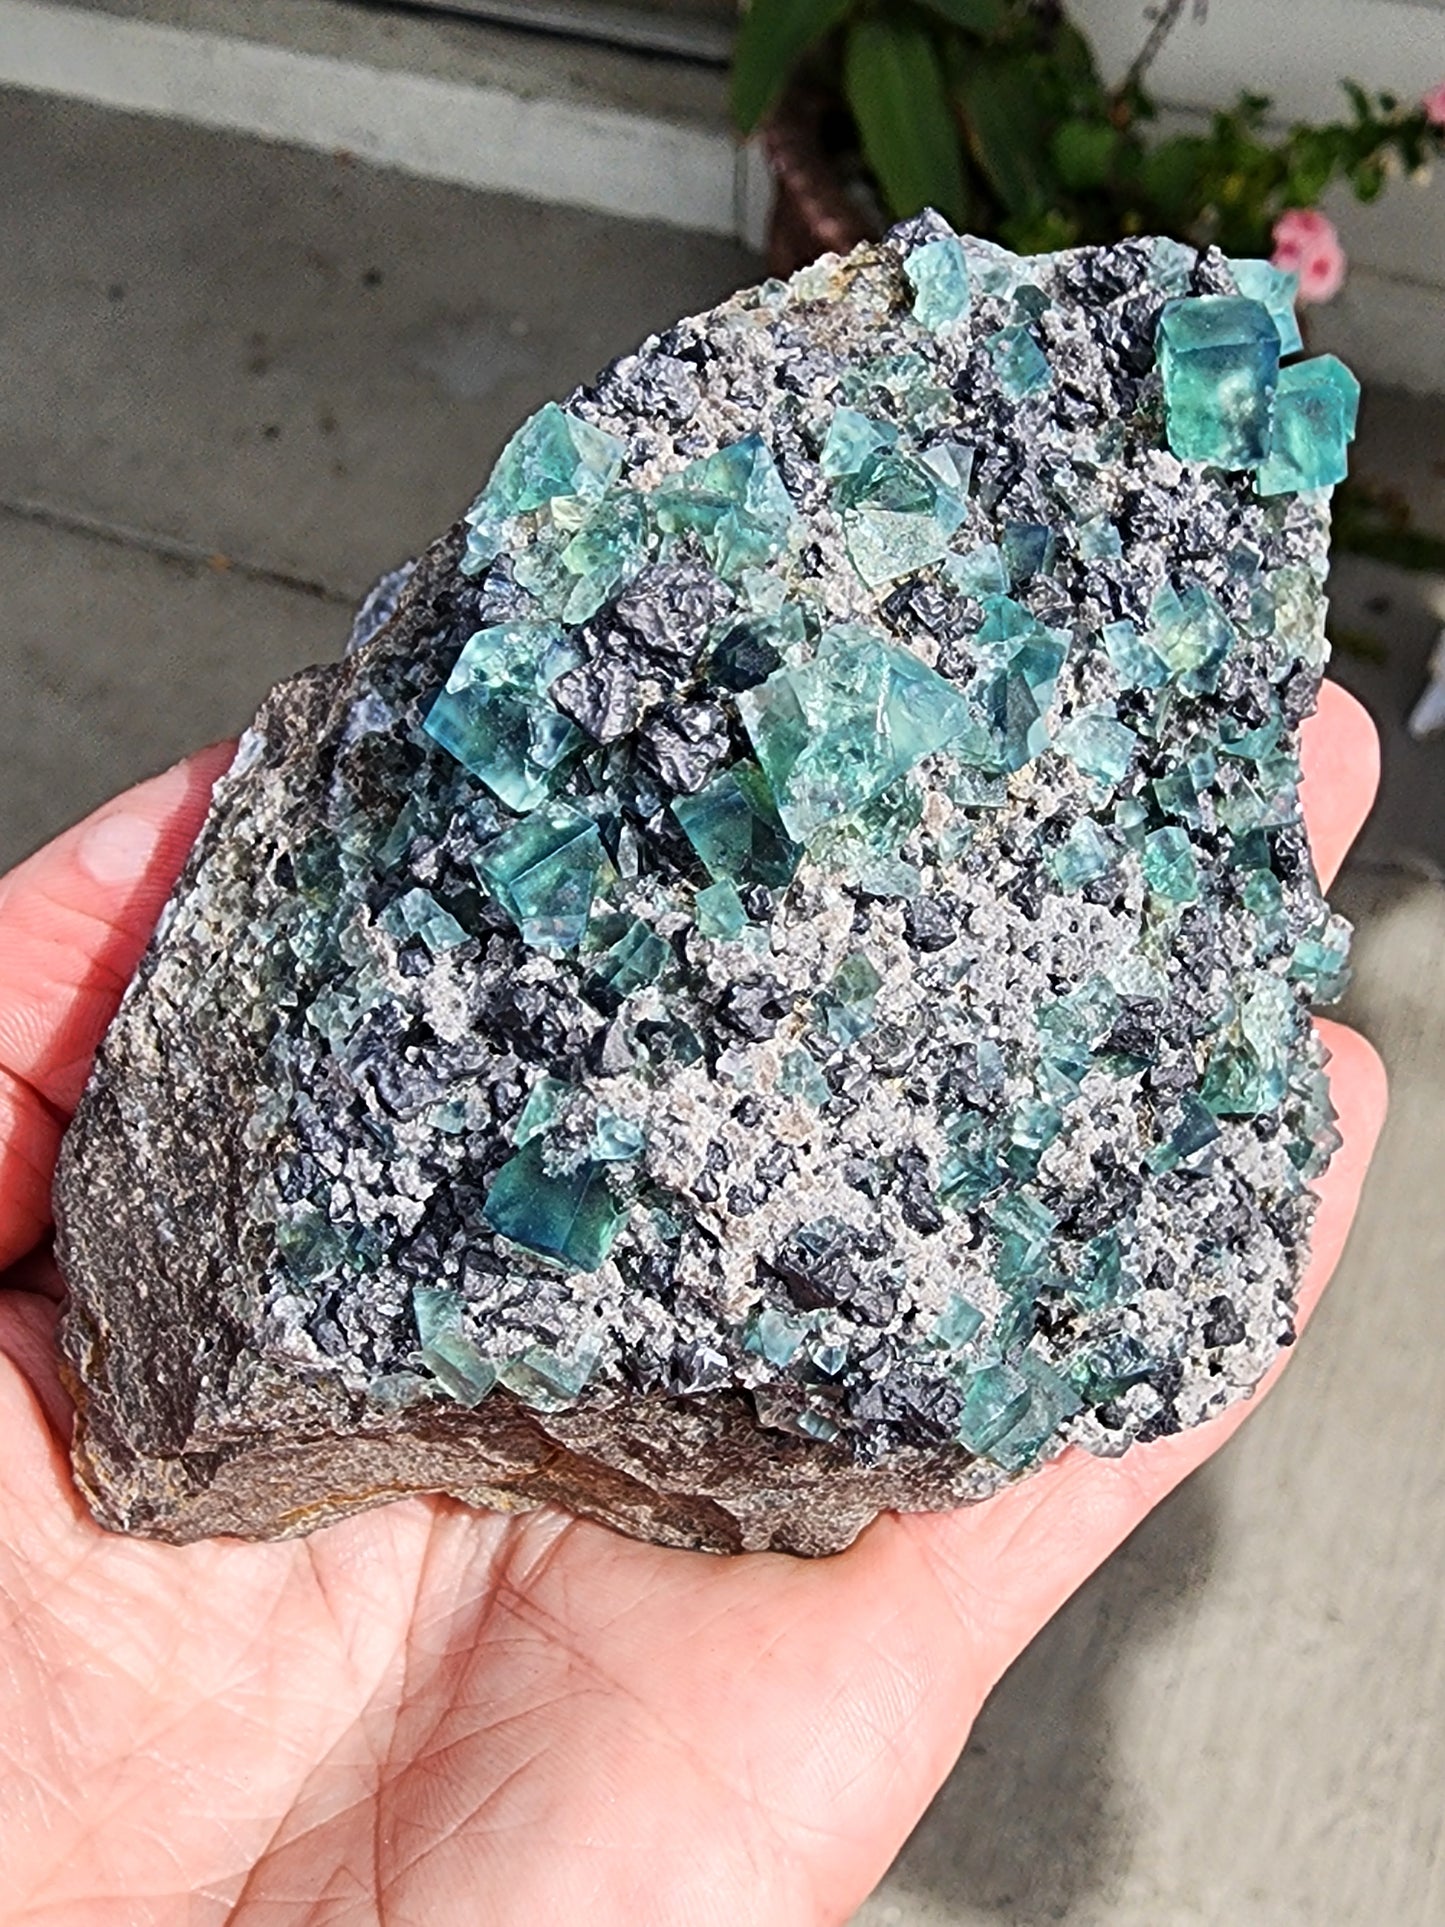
[(994, 112)]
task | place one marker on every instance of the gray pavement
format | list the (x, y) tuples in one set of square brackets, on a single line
[(238, 382)]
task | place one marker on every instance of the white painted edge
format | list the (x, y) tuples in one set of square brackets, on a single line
[(601, 158)]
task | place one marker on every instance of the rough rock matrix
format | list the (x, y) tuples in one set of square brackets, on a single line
[(772, 982)]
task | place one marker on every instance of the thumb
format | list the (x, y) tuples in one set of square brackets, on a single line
[(74, 919)]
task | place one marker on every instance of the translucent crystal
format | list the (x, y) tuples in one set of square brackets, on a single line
[(616, 1139), (1086, 852), (719, 910), (1192, 634), (1100, 744), (570, 1216), (834, 733), (416, 913), (1023, 367), (958, 1323), (1050, 1400), (898, 515), (540, 1109), (493, 715), (938, 275), (851, 438), (1028, 549), (733, 825), (1098, 1279), (545, 1379), (552, 455), (1137, 665), (734, 501), (1315, 410), (1170, 867), (847, 1001), (799, 1076), (635, 957), (979, 572), (1277, 291), (995, 1399), (1219, 360), (446, 1352), (543, 872)]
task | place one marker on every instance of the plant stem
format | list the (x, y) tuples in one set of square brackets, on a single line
[(1165, 18)]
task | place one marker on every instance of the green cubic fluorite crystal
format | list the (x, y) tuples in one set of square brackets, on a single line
[(1277, 291), (1023, 367), (733, 825), (1315, 410), (898, 514), (938, 275), (493, 715), (719, 911), (571, 1216), (552, 455), (543, 872), (1219, 361), (734, 502), (833, 734)]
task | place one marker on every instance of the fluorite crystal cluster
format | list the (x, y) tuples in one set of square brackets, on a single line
[(773, 981)]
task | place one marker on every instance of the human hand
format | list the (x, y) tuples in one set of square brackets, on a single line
[(425, 1714)]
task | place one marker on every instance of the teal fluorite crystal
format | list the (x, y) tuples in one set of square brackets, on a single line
[(719, 911), (571, 1216), (493, 715), (851, 438), (733, 825), (416, 913), (1315, 410), (1023, 367), (734, 502), (1170, 867), (836, 732), (554, 454), (632, 957), (1277, 291), (898, 514), (1219, 360), (938, 275), (544, 871)]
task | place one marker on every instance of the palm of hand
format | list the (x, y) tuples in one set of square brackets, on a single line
[(427, 1714)]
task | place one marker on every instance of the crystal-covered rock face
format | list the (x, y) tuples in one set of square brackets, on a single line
[(792, 947)]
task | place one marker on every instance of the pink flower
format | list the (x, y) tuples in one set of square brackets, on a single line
[(1305, 243), (1434, 105)]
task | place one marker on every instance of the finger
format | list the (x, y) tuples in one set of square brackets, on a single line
[(1340, 765), (1009, 1565), (74, 919)]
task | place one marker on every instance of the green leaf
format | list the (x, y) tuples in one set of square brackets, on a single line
[(895, 87), (773, 37), (1006, 113), (1171, 176), (1084, 153), (983, 17)]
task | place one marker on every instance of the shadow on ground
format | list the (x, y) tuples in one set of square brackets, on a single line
[(1034, 1823)]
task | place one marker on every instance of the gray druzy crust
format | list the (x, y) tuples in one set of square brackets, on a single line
[(773, 981)]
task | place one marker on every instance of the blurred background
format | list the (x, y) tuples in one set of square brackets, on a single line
[(277, 278)]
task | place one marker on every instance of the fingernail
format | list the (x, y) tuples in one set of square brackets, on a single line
[(119, 848)]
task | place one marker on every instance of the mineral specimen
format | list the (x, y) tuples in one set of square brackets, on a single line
[(773, 981)]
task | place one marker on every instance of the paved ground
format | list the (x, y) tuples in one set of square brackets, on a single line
[(238, 383)]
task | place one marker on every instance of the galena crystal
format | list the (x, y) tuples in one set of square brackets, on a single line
[(774, 982)]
